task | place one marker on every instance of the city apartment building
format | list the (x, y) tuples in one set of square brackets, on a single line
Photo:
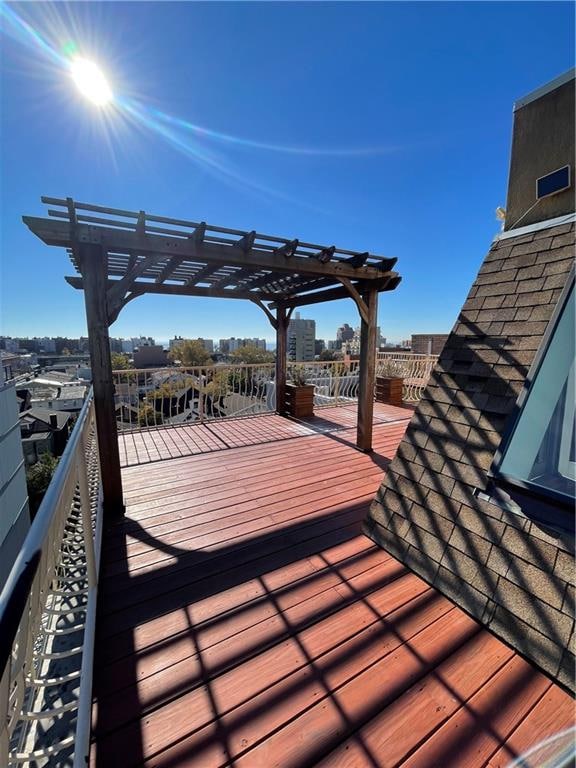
[(226, 346), (345, 333), (208, 344), (301, 338)]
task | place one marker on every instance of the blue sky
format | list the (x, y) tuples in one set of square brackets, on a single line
[(423, 90)]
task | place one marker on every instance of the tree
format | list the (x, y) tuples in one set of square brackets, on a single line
[(218, 385), (148, 417), (38, 479), (66, 352), (191, 352), (120, 362), (251, 354), (327, 355)]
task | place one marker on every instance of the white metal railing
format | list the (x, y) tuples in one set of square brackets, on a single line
[(335, 382), (414, 369), (175, 396), (48, 612), (183, 395)]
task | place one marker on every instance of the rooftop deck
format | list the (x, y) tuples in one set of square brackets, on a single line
[(245, 620)]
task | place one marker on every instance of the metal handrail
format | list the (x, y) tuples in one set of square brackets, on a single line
[(174, 396), (415, 370), (62, 545)]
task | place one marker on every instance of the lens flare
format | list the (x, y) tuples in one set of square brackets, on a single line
[(65, 48), (91, 81)]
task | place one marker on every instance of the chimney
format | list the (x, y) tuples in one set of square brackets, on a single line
[(54, 421), (541, 179)]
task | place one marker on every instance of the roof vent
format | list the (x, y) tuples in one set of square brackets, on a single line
[(54, 420)]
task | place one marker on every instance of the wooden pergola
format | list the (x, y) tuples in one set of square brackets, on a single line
[(120, 255)]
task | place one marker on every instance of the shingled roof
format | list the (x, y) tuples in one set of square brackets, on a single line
[(508, 570)]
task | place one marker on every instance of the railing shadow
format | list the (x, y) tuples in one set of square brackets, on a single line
[(453, 438)]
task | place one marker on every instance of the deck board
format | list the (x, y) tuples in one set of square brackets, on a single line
[(245, 620), (170, 442)]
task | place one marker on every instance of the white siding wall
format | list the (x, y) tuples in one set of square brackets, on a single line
[(14, 516)]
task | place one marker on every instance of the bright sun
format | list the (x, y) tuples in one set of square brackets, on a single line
[(91, 82)]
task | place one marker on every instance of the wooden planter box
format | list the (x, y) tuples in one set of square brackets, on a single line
[(300, 400), (389, 390)]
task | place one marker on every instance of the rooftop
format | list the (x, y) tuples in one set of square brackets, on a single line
[(245, 619), (44, 415)]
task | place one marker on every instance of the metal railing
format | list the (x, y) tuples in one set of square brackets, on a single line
[(414, 369), (335, 382), (47, 615), (176, 396), (185, 395)]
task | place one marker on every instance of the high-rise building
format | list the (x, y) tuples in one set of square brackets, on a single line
[(345, 333), (12, 345), (353, 345), (226, 346), (46, 345), (319, 346), (301, 338), (208, 344), (175, 342), (428, 343), (142, 341)]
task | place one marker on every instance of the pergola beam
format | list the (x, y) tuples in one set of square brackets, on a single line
[(360, 303), (56, 232), (387, 283), (178, 290), (202, 274), (196, 237)]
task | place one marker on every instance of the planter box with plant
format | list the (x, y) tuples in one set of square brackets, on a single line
[(389, 383), (299, 394)]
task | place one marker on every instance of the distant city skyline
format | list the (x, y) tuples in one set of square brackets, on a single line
[(165, 341)]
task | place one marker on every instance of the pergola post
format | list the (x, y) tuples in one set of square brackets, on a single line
[(93, 260), (281, 351), (367, 371)]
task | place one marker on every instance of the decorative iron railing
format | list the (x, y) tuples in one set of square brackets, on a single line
[(180, 395), (176, 396), (414, 369), (335, 382), (47, 615)]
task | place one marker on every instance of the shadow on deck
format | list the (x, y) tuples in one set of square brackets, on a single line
[(245, 620), (171, 442)]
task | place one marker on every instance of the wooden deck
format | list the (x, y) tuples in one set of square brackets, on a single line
[(245, 620), (158, 444)]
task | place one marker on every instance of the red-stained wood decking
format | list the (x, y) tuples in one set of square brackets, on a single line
[(245, 620), (173, 442)]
